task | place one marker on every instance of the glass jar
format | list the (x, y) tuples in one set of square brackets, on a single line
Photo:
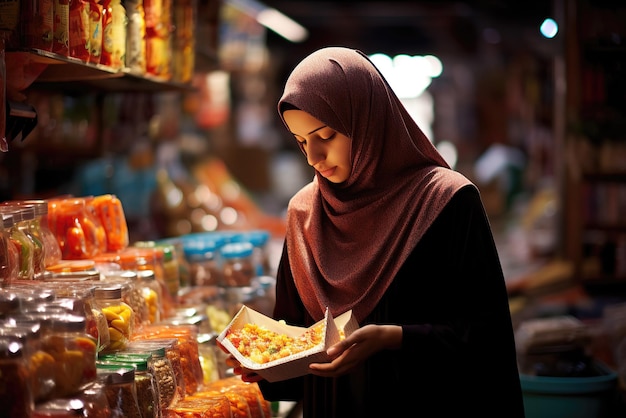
[(15, 395), (94, 397), (10, 270), (119, 316), (80, 300), (184, 339), (24, 245), (204, 261), (41, 368), (120, 389), (260, 257), (74, 352), (173, 354), (151, 292), (161, 367), (132, 294), (145, 382), (238, 266), (39, 225), (52, 249), (137, 259)]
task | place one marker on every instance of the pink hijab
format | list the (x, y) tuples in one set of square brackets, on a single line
[(347, 241)]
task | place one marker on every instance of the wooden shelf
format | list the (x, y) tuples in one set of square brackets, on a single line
[(73, 75)]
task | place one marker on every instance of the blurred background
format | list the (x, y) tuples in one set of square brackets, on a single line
[(178, 119)]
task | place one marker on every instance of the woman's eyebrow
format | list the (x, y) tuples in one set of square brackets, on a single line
[(314, 130)]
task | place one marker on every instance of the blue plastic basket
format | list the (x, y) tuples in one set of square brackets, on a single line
[(569, 397)]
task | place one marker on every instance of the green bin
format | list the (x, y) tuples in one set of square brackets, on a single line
[(570, 397)]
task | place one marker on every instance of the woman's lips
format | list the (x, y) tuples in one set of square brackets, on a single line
[(327, 173)]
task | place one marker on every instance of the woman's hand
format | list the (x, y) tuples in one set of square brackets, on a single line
[(359, 346), (247, 375)]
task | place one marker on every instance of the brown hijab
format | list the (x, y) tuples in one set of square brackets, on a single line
[(347, 241)]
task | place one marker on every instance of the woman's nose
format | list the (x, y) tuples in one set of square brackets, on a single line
[(314, 154)]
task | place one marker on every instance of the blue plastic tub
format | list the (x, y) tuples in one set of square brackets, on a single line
[(569, 397)]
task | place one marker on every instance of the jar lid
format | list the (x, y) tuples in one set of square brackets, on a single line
[(7, 220), (146, 275), (257, 238), (139, 363), (237, 250), (112, 291), (115, 374)]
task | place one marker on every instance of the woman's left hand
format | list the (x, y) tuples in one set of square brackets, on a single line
[(356, 348)]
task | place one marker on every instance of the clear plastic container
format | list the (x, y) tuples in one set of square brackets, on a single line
[(238, 265), (161, 367), (119, 316), (24, 245), (204, 262), (216, 406), (39, 226), (11, 264), (15, 395), (152, 294), (145, 382), (74, 353), (120, 389), (41, 367), (132, 294)]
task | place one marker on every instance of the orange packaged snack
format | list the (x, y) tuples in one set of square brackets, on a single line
[(109, 210)]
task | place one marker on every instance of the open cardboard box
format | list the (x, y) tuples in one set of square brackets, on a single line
[(296, 364)]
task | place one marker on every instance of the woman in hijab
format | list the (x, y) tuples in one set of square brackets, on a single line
[(388, 230)]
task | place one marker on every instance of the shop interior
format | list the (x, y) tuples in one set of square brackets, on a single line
[(532, 110)]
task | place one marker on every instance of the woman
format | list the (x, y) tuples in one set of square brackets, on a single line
[(388, 230)]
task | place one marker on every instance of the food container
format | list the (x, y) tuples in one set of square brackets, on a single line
[(152, 294), (15, 395), (25, 248), (259, 407), (119, 315), (74, 353), (109, 210), (183, 338), (145, 382), (120, 389), (161, 367), (217, 406), (238, 267), (329, 329)]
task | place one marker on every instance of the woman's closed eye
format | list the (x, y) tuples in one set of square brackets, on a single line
[(322, 138)]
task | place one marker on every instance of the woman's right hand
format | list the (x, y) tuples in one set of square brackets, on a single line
[(247, 375)]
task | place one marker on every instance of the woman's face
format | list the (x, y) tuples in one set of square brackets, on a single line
[(326, 150)]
